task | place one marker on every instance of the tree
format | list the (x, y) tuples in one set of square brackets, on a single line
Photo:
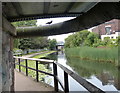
[(76, 39), (32, 43), (52, 44), (39, 42), (25, 43), (91, 39), (18, 42)]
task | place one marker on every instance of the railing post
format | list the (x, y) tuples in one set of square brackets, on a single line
[(66, 84), (14, 62), (19, 64), (26, 67), (37, 75), (55, 79)]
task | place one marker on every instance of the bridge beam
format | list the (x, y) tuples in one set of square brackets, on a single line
[(8, 27), (102, 12)]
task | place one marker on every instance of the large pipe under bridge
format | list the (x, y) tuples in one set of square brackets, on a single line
[(90, 87)]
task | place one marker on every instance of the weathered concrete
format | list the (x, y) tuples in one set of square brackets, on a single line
[(8, 27), (23, 83), (6, 58), (7, 66), (0, 47), (101, 13)]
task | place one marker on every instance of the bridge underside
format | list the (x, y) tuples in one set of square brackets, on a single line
[(88, 15), (93, 17)]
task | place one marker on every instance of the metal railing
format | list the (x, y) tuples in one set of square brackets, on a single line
[(90, 87)]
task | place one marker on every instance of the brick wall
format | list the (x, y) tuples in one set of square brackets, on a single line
[(100, 29)]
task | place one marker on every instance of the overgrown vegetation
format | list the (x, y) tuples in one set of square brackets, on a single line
[(94, 54), (86, 38), (88, 46), (52, 44)]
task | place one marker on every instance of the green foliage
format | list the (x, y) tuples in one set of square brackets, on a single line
[(16, 43), (82, 38), (76, 39), (86, 38), (25, 23), (106, 41), (39, 43), (52, 44), (32, 43), (25, 43), (117, 41), (97, 54), (91, 39)]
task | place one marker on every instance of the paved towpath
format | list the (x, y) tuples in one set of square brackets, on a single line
[(33, 54), (24, 83)]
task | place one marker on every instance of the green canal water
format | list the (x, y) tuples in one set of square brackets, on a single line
[(102, 74)]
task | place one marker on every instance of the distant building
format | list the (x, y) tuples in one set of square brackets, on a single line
[(111, 36), (60, 45), (108, 29)]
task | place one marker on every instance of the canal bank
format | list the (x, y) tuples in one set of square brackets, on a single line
[(93, 54), (105, 79), (104, 76)]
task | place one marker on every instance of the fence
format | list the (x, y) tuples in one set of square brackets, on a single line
[(90, 87)]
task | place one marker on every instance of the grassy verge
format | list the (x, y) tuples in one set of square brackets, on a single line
[(34, 52), (94, 54), (32, 64)]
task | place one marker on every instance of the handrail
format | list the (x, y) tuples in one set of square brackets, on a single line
[(90, 87), (36, 70), (35, 59)]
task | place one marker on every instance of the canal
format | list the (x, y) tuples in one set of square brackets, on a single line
[(104, 75)]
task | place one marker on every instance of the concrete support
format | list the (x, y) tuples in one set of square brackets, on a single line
[(6, 62), (0, 47), (6, 58)]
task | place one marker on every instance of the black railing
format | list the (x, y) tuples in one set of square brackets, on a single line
[(90, 87)]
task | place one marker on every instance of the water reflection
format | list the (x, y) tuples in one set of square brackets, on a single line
[(104, 75), (95, 72)]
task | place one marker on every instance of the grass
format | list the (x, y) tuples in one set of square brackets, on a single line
[(94, 54), (34, 52), (32, 64)]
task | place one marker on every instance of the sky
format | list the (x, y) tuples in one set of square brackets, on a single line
[(42, 22)]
